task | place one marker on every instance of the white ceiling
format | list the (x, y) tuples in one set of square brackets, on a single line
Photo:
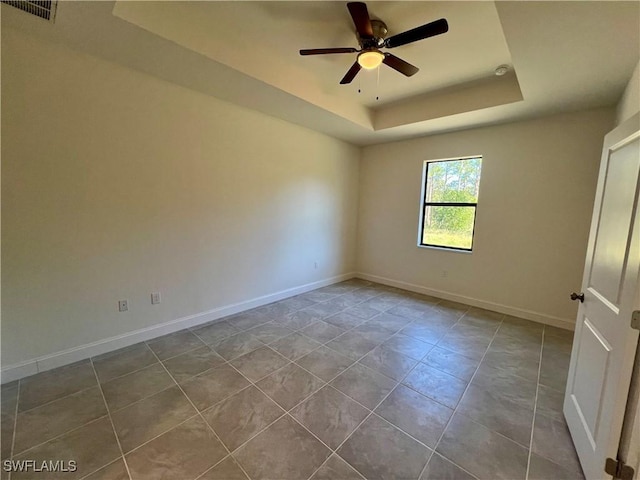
[(564, 56)]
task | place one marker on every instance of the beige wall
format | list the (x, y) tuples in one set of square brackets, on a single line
[(116, 184), (629, 104), (536, 198)]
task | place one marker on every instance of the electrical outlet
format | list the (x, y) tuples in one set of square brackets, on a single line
[(445, 274), (123, 305), (155, 298)]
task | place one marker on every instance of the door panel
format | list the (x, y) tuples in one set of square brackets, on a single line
[(616, 217), (590, 376), (604, 342)]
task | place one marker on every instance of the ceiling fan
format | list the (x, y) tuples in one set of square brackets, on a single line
[(371, 37)]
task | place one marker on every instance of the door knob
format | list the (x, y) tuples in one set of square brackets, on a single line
[(577, 296)]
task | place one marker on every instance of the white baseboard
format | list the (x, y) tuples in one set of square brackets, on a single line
[(82, 352), (474, 302)]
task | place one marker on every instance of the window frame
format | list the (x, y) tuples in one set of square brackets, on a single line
[(424, 204)]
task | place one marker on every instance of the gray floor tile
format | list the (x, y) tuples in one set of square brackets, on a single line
[(344, 320), (373, 333), (289, 385), (325, 363), (419, 416), (388, 362), (390, 322), (242, 321), (130, 388), (525, 366), (54, 384), (143, 420), (174, 344), (507, 384), (330, 415), (363, 311), (284, 451), (7, 424), (550, 403), (452, 363), (295, 346), (297, 303), (43, 423), (542, 469), (322, 331), (364, 385), (213, 386), (114, 471), (236, 345), (186, 451), (228, 469), (125, 360), (335, 468), (270, 332), (466, 343), (91, 446), (439, 468), (192, 363), (379, 450), (498, 413), (298, 320), (425, 331), (551, 439), (9, 397), (409, 346), (241, 416), (214, 332), (259, 363), (439, 386), (483, 453), (352, 345), (554, 369)]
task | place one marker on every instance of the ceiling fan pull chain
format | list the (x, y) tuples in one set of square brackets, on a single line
[(378, 83)]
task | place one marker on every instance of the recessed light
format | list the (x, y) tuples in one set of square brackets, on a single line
[(501, 70)]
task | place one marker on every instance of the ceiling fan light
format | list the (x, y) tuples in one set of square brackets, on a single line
[(370, 59)]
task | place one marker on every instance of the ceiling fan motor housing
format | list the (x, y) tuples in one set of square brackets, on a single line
[(379, 34)]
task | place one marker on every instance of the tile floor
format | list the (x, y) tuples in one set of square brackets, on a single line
[(351, 381)]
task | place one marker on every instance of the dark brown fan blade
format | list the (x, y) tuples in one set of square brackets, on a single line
[(351, 74), (400, 65), (324, 51), (419, 33), (360, 15)]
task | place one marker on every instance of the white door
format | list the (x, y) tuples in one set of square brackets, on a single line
[(604, 343)]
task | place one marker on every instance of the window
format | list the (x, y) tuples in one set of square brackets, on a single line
[(449, 202)]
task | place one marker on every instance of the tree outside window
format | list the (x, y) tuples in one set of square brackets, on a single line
[(449, 204)]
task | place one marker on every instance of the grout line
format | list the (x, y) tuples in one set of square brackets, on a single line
[(199, 413), (371, 412), (113, 427), (535, 406), (15, 426), (455, 410)]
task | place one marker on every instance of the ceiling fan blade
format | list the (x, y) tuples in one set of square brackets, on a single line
[(400, 65), (419, 33), (324, 51), (351, 74), (360, 15)]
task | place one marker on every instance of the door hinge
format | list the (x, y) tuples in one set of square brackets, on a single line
[(618, 469), (635, 319)]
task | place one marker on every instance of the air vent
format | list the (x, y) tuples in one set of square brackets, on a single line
[(40, 8)]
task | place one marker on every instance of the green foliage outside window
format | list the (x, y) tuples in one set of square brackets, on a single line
[(451, 182)]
